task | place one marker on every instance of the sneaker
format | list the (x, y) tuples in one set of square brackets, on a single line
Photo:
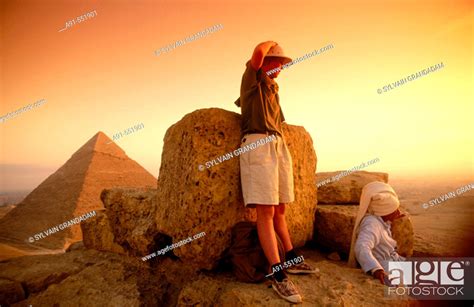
[(302, 268), (287, 290)]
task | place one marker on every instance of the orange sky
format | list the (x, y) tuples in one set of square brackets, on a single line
[(102, 75)]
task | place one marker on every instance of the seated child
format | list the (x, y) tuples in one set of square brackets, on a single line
[(372, 243)]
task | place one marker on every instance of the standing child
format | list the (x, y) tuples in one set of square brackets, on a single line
[(266, 171)]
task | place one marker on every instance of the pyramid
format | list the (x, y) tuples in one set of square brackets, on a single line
[(73, 190)]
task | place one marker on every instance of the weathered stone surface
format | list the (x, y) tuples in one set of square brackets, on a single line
[(37, 273), (108, 279), (79, 245), (104, 284), (10, 292), (97, 234), (402, 232), (191, 200), (346, 190), (334, 256), (337, 285), (4, 209), (85, 278), (334, 225), (131, 215)]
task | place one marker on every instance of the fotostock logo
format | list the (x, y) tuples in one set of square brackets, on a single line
[(432, 278)]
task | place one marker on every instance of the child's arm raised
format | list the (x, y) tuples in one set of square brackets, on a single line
[(259, 54)]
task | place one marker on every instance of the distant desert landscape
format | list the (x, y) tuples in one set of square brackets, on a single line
[(446, 229)]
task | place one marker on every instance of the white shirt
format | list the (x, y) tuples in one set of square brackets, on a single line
[(374, 246)]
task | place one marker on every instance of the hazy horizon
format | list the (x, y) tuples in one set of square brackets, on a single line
[(27, 177)]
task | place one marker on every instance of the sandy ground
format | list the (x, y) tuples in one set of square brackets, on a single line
[(8, 251), (12, 251), (5, 209), (18, 249), (446, 229)]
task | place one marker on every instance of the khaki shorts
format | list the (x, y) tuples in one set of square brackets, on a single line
[(266, 172)]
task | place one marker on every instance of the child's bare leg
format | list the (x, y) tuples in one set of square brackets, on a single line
[(266, 233), (281, 228)]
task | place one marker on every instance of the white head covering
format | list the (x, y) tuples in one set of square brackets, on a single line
[(378, 198)]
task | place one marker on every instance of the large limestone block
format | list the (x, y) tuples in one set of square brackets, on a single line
[(193, 199), (334, 225), (345, 190), (97, 234), (131, 214), (402, 232)]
